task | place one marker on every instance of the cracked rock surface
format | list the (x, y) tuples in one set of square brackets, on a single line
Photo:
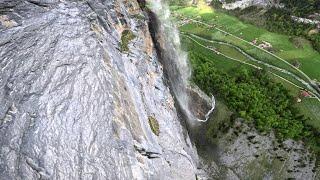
[(73, 106), (244, 153)]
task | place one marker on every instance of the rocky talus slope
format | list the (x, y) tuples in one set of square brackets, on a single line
[(81, 100)]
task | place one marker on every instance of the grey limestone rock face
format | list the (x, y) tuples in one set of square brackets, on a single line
[(247, 3), (73, 106)]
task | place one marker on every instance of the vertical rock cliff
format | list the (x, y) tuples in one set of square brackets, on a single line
[(83, 95)]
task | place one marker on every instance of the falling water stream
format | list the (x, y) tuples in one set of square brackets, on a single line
[(175, 61)]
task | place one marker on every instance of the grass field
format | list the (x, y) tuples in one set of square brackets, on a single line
[(214, 34), (282, 45), (234, 53)]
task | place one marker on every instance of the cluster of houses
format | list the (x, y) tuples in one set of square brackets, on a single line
[(264, 44)]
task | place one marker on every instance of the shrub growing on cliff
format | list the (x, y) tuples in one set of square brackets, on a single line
[(154, 125), (126, 37)]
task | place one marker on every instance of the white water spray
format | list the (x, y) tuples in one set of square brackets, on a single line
[(172, 36), (207, 116), (178, 68)]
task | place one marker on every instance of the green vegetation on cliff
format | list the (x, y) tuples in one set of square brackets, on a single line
[(126, 37), (154, 125)]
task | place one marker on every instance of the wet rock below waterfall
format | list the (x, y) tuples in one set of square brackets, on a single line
[(199, 103)]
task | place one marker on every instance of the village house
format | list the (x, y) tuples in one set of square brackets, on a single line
[(304, 94)]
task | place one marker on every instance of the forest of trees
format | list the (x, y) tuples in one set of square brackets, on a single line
[(279, 20), (301, 7), (252, 95)]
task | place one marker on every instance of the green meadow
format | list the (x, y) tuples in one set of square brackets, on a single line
[(288, 48)]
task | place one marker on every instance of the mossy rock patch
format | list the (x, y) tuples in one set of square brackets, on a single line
[(126, 37), (154, 125)]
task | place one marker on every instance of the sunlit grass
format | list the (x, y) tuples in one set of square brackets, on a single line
[(306, 55), (284, 47), (204, 8)]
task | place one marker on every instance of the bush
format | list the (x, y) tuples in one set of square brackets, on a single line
[(126, 37), (154, 125)]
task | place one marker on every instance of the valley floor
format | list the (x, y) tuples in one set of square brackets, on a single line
[(230, 43)]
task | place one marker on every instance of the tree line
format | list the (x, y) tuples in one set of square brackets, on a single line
[(253, 96), (279, 20)]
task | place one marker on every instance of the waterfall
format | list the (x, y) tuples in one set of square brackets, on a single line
[(175, 61), (172, 37)]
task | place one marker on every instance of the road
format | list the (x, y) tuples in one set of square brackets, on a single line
[(308, 83), (192, 38)]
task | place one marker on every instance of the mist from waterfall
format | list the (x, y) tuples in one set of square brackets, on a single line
[(179, 71), (172, 36)]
